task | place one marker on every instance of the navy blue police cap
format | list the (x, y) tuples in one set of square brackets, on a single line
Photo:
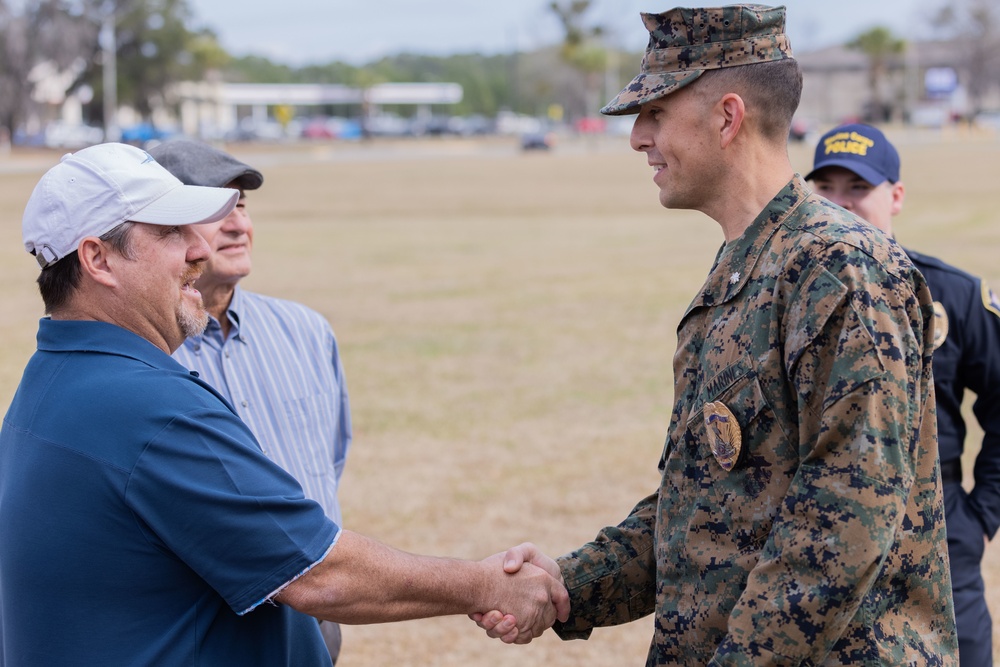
[(860, 148)]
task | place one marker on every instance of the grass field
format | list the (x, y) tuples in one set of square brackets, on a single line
[(507, 323)]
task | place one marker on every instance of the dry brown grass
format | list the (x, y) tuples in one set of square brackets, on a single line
[(507, 325)]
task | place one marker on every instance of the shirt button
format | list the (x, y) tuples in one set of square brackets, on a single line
[(244, 403)]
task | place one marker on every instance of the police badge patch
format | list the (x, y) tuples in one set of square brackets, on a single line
[(940, 324), (990, 300), (724, 434)]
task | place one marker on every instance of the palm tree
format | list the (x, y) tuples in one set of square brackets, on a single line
[(880, 45), (581, 48)]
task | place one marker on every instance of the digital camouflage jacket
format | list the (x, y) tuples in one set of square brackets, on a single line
[(799, 520)]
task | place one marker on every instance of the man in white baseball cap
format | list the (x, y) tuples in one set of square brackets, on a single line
[(140, 522), (96, 189), (115, 197)]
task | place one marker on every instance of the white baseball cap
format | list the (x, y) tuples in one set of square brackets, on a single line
[(94, 190)]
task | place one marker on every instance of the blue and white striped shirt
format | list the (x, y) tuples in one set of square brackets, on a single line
[(281, 371)]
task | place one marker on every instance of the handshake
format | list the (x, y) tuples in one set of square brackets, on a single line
[(530, 595)]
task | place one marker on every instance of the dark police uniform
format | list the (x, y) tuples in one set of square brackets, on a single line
[(967, 356)]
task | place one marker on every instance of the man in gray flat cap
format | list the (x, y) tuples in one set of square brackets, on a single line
[(799, 520), (274, 360)]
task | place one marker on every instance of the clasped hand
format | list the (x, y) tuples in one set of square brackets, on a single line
[(538, 596)]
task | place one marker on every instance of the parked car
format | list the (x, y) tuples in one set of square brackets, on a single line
[(144, 134), (799, 130), (333, 127), (318, 128), (386, 125), (537, 141), (590, 125), (251, 130), (987, 119), (71, 135)]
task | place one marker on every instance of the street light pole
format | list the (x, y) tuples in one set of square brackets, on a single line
[(109, 50)]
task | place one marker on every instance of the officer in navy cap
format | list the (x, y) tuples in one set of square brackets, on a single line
[(858, 168)]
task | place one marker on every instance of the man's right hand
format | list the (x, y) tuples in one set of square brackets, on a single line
[(510, 627)]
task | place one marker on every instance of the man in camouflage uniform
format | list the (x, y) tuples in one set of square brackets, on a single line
[(858, 168), (799, 520)]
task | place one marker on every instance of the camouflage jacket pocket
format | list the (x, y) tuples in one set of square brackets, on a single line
[(726, 425), (743, 458)]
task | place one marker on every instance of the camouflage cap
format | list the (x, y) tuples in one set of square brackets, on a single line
[(684, 42)]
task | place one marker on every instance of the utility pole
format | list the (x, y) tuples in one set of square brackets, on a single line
[(611, 84), (911, 81), (109, 57)]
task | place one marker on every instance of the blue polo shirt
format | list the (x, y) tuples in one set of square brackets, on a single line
[(140, 524)]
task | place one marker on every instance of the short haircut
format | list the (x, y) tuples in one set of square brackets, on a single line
[(58, 281), (771, 91)]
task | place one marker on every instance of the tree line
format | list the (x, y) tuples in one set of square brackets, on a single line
[(159, 42)]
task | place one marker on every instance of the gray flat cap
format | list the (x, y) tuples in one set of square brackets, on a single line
[(197, 163)]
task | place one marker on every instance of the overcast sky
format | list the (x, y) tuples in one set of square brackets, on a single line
[(298, 32)]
